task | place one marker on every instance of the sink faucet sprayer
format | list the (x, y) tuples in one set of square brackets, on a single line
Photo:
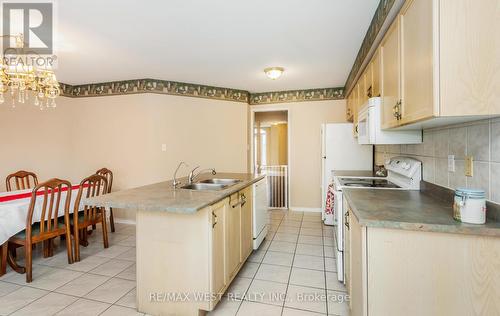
[(176, 183), (192, 176)]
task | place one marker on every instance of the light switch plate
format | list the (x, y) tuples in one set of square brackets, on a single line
[(451, 163), (163, 147), (469, 166)]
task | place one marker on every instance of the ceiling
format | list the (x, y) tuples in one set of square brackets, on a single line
[(224, 43)]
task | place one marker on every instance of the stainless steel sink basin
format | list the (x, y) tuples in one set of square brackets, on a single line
[(221, 181), (204, 186)]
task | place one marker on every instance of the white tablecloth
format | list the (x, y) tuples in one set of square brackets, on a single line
[(13, 213)]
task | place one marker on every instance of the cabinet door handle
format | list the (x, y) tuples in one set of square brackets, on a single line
[(214, 219), (346, 219), (396, 110)]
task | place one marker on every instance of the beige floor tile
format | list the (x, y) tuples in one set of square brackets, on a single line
[(116, 310), (54, 278), (19, 298), (257, 256), (328, 232), (117, 238), (279, 258), (282, 246), (265, 244), (128, 300), (113, 251), (129, 241), (129, 274), (337, 304), (311, 232), (332, 282), (248, 270), (306, 277), (254, 309), (38, 271), (315, 225), (6, 288), (82, 285), (291, 223), (311, 250), (289, 230), (226, 307), (273, 273), (266, 292), (297, 312), (112, 267), (309, 262), (50, 304), (111, 291), (313, 240), (330, 264), (329, 252), (128, 255), (84, 307), (306, 298), (285, 237), (328, 241), (238, 288), (87, 263)]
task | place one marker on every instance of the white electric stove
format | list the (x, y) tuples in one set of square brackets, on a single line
[(403, 173)]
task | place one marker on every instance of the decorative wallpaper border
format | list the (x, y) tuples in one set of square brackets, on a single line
[(383, 9), (154, 86), (296, 96), (199, 91)]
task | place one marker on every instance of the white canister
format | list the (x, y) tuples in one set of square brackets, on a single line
[(470, 206)]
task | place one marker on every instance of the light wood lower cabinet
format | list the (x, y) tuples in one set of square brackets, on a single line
[(401, 272), (233, 238), (195, 254)]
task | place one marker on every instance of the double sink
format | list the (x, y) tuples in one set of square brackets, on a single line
[(211, 184)]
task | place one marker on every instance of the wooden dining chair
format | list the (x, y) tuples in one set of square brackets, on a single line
[(46, 199), (86, 216), (21, 180), (108, 174)]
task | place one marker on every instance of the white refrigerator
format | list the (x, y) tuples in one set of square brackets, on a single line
[(340, 151)]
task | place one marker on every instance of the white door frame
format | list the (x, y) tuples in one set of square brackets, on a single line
[(272, 108)]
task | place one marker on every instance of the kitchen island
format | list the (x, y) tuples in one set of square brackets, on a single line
[(190, 243), (406, 255)]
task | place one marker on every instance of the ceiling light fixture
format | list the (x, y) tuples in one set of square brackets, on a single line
[(19, 77), (274, 72)]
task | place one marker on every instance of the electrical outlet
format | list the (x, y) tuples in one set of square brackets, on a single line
[(163, 147), (451, 163), (469, 166)]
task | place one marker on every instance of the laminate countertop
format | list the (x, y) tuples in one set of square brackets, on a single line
[(163, 197), (411, 210)]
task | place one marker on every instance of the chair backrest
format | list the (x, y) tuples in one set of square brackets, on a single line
[(92, 186), (22, 180), (108, 174), (51, 193)]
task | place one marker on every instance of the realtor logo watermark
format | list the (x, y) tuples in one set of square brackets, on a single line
[(28, 34), (34, 21)]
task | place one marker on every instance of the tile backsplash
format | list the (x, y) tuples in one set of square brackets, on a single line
[(480, 139)]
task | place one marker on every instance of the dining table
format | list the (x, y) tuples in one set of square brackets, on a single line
[(14, 206)]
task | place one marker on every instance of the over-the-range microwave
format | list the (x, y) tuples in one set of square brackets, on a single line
[(370, 130)]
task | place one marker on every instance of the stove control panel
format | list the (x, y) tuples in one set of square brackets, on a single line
[(405, 166)]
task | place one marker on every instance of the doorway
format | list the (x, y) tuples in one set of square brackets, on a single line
[(270, 154)]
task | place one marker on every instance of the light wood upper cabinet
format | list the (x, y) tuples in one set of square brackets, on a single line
[(355, 108), (391, 71), (219, 279), (349, 110), (469, 57), (416, 22), (375, 65), (233, 218), (246, 224)]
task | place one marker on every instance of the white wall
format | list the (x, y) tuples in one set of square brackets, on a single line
[(125, 134)]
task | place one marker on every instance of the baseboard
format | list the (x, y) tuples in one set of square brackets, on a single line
[(306, 209), (124, 221)]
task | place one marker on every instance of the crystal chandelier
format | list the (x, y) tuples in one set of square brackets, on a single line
[(20, 78)]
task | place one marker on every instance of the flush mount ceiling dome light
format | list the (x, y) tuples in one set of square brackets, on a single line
[(274, 72)]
